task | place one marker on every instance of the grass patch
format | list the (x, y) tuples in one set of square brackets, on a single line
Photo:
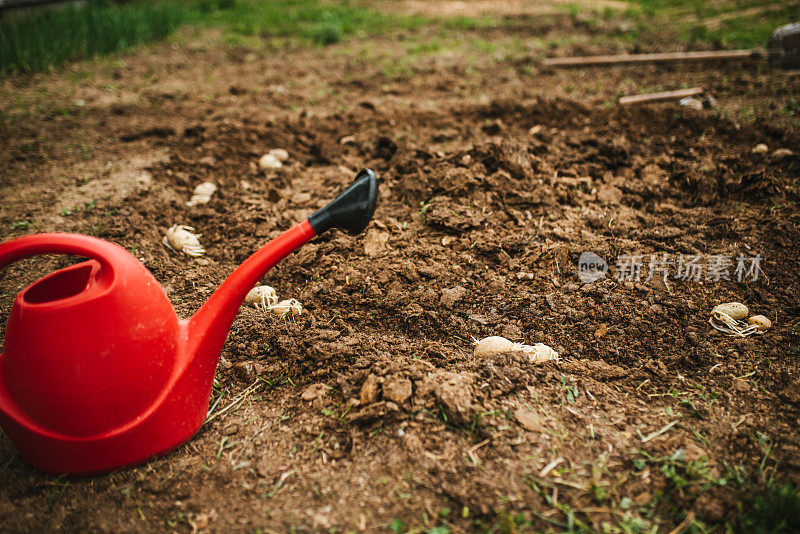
[(311, 22), (774, 512), (50, 37), (726, 23)]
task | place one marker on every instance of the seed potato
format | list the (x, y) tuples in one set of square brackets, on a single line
[(735, 310)]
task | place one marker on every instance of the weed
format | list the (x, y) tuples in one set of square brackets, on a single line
[(397, 526), (681, 472), (422, 209), (774, 512)]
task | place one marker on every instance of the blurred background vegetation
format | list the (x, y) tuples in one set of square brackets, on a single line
[(39, 39)]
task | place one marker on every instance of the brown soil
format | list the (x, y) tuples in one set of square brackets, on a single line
[(371, 407)]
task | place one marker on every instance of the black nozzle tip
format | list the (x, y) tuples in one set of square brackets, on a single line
[(352, 210)]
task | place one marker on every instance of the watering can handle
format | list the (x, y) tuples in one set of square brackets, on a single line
[(62, 243)]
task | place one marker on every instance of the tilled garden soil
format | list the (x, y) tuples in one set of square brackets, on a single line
[(370, 407)]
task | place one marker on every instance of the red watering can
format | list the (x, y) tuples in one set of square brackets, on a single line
[(98, 371)]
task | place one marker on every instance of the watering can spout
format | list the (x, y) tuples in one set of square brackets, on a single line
[(208, 328)]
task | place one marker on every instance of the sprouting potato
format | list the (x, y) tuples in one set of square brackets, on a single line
[(735, 310), (202, 193), (269, 161), (262, 297), (181, 238), (760, 322), (537, 353), (290, 306), (729, 318)]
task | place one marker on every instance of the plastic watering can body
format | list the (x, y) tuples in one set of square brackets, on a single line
[(97, 371)]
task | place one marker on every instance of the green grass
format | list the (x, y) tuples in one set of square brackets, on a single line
[(695, 21), (307, 21), (51, 37), (774, 512)]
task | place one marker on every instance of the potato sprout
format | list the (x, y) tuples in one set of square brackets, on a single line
[(262, 297), (180, 238), (291, 306), (202, 194), (537, 353)]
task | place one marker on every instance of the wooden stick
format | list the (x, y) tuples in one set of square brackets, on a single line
[(715, 55), (664, 95)]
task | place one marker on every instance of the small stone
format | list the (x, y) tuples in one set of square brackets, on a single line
[(609, 194), (760, 148), (691, 102), (397, 389), (643, 498), (535, 129), (527, 419), (269, 162), (375, 242), (740, 385), (782, 153), (370, 390), (301, 198), (760, 322), (348, 140), (231, 429)]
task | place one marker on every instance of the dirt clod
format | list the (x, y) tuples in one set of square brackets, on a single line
[(370, 390), (314, 391), (527, 419), (397, 389), (453, 391), (452, 295)]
